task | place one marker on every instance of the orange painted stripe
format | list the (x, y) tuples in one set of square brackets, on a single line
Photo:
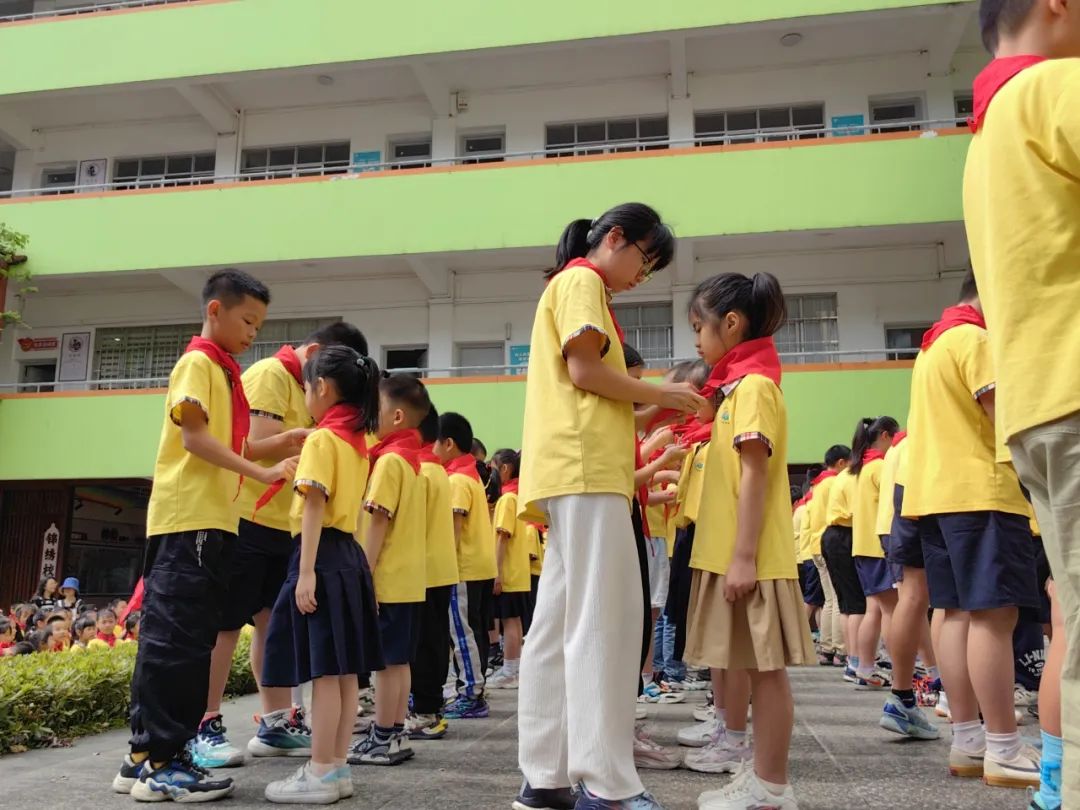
[(480, 167), (111, 12)]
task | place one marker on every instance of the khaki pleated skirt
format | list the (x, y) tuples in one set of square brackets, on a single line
[(765, 630)]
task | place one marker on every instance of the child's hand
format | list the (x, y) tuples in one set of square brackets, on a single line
[(294, 440), (680, 397), (498, 585), (673, 453), (282, 471), (663, 437), (667, 477), (740, 579), (305, 593)]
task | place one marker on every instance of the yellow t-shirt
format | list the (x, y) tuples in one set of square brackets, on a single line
[(272, 393), (691, 480), (952, 445), (797, 522), (864, 536), (754, 410), (536, 550), (574, 442), (78, 649), (841, 501), (515, 567), (1022, 212), (396, 490), (476, 550), (442, 563), (330, 464), (819, 512), (886, 505), (190, 494)]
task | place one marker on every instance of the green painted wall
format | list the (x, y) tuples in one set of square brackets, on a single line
[(827, 185), (116, 436), (247, 35)]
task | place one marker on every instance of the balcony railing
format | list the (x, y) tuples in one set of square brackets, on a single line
[(465, 372), (344, 171), (9, 8)]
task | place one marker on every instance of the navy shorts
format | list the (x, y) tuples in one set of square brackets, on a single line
[(399, 629), (876, 575), (813, 594), (258, 565), (905, 540), (979, 561), (1042, 570)]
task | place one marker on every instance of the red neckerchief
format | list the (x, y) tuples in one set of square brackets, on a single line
[(693, 431), (241, 415), (663, 415), (821, 476), (108, 638), (952, 317), (872, 455), (991, 79), (427, 455), (404, 443), (749, 357), (643, 492), (286, 355), (510, 486), (898, 437), (134, 603), (603, 278), (464, 464), (5, 644)]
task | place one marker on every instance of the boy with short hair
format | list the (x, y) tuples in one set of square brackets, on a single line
[(394, 532), (978, 552), (191, 522), (106, 627), (472, 604), (429, 668), (256, 569), (1022, 212)]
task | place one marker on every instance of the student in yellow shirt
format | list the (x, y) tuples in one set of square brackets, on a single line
[(324, 627), (876, 575), (745, 606), (1022, 209), (977, 544), (836, 544), (832, 648), (132, 627), (578, 454), (809, 583), (192, 522), (395, 544), (279, 424), (85, 631), (431, 664), (472, 610)]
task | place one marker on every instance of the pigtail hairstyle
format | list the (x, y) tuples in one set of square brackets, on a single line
[(638, 223), (356, 377), (760, 299), (866, 435), (510, 457)]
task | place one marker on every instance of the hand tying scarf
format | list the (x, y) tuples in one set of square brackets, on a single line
[(950, 318), (510, 487), (404, 443), (586, 263), (693, 431), (991, 79), (286, 355), (749, 357), (241, 412), (463, 465)]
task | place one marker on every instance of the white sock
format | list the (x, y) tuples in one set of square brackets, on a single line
[(511, 665), (1003, 747), (772, 787), (321, 769), (969, 737), (646, 678), (277, 714), (721, 715), (736, 737)]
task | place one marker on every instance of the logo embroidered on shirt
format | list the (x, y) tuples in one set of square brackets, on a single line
[(725, 416)]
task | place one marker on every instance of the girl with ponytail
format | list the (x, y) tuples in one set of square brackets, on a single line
[(324, 625), (743, 560)]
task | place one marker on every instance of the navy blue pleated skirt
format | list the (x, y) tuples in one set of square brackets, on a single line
[(342, 636)]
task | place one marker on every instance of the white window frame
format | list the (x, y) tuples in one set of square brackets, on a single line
[(760, 134), (146, 180), (296, 168), (485, 155), (418, 162), (406, 347), (820, 353), (608, 144), (496, 345), (893, 352), (643, 336), (907, 124), (58, 168), (962, 98)]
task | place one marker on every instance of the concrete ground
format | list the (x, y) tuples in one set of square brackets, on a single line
[(839, 759)]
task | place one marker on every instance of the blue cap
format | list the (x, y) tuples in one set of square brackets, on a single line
[(71, 582)]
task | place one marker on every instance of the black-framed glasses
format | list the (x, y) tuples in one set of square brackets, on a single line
[(646, 272)]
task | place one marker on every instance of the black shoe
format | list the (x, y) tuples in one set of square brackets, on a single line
[(530, 798)]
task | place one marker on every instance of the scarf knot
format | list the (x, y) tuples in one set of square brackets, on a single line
[(950, 319), (758, 356)]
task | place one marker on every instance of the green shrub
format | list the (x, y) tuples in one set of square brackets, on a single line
[(47, 699)]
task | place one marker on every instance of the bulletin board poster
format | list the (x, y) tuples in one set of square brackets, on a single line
[(366, 161), (74, 356), (519, 358), (847, 125)]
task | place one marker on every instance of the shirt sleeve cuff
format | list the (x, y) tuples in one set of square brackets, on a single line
[(372, 507), (302, 485), (588, 328), (753, 436), (462, 512), (986, 389), (174, 411), (268, 415)]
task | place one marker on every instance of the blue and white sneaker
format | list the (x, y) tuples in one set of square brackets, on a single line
[(465, 708), (180, 780), (211, 748), (282, 733), (129, 774), (899, 719), (304, 787), (589, 801), (850, 675)]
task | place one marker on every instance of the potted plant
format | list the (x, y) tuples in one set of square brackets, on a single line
[(13, 271)]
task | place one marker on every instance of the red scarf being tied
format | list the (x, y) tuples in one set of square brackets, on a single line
[(586, 263), (241, 414), (286, 355), (952, 317), (404, 443), (510, 487), (992, 78), (463, 465), (750, 357), (341, 420), (898, 437), (693, 431), (427, 454)]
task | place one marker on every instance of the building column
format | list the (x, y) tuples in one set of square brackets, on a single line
[(681, 121), (443, 138), (440, 335), (940, 99), (24, 174), (227, 155), (682, 336)]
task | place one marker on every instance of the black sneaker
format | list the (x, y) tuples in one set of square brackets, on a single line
[(370, 750), (127, 777), (530, 798), (180, 780)]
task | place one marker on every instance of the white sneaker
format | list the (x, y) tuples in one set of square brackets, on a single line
[(719, 757), (304, 787), (503, 680), (702, 734), (651, 755), (704, 714), (745, 792), (1024, 698), (640, 712), (942, 707), (344, 782)]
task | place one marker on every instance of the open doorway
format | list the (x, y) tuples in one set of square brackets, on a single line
[(37, 377)]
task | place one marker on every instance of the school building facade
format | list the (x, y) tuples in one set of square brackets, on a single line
[(413, 179)]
